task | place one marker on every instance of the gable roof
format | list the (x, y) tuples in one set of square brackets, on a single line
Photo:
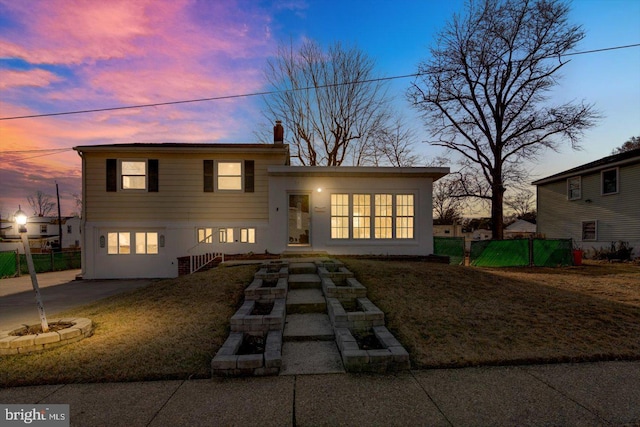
[(628, 157)]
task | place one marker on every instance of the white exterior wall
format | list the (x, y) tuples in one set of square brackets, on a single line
[(320, 211), (180, 239)]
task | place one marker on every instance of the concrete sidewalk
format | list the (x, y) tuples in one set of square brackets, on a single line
[(59, 290), (587, 394)]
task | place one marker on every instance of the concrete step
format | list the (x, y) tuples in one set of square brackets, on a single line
[(304, 281), (302, 268), (306, 301), (308, 327), (311, 357)]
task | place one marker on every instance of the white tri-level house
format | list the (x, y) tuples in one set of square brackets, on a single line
[(147, 205)]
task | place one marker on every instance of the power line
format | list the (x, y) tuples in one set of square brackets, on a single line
[(271, 92)]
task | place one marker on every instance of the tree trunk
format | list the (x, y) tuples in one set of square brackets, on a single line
[(497, 220)]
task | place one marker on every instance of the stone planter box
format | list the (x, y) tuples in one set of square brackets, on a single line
[(393, 357), (10, 344), (343, 288), (227, 362), (333, 270), (244, 321), (261, 293), (363, 316), (273, 270)]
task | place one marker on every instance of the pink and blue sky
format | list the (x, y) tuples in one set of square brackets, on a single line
[(67, 55)]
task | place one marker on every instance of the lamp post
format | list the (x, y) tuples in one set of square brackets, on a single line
[(21, 222)]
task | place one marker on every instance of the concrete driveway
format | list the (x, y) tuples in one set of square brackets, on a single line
[(59, 290)]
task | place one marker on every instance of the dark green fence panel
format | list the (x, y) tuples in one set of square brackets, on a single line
[(501, 253), (8, 266), (516, 253), (453, 247), (552, 253), (57, 261)]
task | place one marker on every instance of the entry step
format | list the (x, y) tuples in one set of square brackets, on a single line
[(306, 301), (311, 357), (308, 327), (302, 268), (304, 281)]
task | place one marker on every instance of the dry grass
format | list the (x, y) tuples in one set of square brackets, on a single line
[(168, 330), (444, 315), (461, 316)]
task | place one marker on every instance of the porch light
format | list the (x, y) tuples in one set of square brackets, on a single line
[(319, 190), (21, 221)]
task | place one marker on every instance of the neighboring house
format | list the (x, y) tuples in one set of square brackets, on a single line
[(44, 233), (520, 229), (594, 204), (146, 205), (448, 230)]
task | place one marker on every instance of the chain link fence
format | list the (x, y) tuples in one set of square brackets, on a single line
[(11, 262)]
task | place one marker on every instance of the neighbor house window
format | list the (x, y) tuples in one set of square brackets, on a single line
[(248, 235), (361, 216), (225, 235), (229, 176), (205, 235), (69, 229), (119, 243), (43, 228), (147, 243), (383, 216), (404, 216), (589, 230), (574, 188), (339, 216), (610, 181)]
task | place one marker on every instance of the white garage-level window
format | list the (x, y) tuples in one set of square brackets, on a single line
[(119, 243), (146, 243), (225, 235), (205, 235), (248, 235)]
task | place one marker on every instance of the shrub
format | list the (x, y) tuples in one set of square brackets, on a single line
[(620, 250)]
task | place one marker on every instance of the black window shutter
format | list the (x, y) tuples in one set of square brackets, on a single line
[(208, 175), (153, 175), (249, 176), (112, 175)]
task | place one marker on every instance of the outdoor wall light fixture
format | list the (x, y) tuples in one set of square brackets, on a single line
[(21, 221), (588, 201), (319, 190)]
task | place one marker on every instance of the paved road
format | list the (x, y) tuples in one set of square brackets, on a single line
[(59, 290)]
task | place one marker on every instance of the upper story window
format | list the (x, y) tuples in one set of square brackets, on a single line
[(229, 176), (609, 181), (574, 188), (43, 228), (132, 175)]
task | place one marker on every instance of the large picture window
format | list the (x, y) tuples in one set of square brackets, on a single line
[(119, 243), (147, 243), (339, 216), (392, 216)]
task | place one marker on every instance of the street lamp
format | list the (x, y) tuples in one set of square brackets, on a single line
[(21, 221)]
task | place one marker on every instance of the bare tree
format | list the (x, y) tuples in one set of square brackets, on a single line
[(41, 203), (632, 143), (485, 92), (330, 102), (521, 203), (447, 208)]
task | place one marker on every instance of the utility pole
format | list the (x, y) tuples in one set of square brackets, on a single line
[(59, 220)]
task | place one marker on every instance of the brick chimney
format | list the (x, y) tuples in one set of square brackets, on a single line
[(278, 133)]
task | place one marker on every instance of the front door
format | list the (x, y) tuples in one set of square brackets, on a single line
[(299, 220)]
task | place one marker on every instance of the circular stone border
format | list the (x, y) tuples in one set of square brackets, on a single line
[(11, 344)]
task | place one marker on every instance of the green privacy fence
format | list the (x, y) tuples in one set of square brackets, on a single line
[(53, 261), (8, 264), (453, 247), (521, 252)]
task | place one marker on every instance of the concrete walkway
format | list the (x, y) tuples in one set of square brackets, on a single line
[(588, 394)]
